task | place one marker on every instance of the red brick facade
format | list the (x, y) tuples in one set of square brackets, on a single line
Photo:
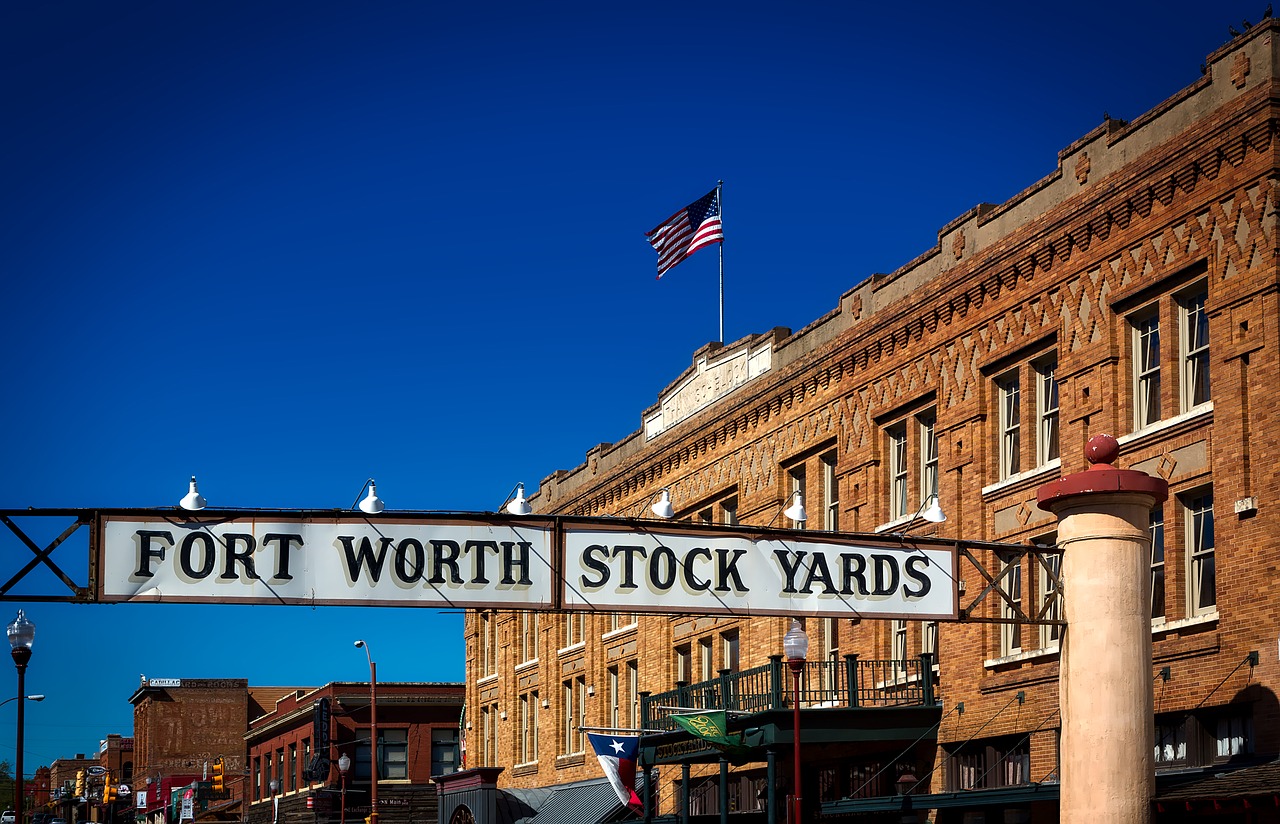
[(1132, 292), (418, 728)]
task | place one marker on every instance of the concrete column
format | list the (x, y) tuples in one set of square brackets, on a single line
[(1105, 680)]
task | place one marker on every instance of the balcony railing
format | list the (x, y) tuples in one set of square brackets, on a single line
[(846, 682)]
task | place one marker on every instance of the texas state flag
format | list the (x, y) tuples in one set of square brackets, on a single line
[(617, 754)]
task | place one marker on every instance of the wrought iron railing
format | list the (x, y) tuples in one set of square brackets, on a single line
[(843, 682)]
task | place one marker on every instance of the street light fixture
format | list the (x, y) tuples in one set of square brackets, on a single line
[(373, 733), (344, 764), (15, 698), (795, 646), (22, 633)]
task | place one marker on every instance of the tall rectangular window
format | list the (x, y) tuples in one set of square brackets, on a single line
[(575, 713), (1010, 580), (1046, 410), (899, 507), (1156, 530), (729, 649), (1010, 425), (528, 637), (529, 727), (684, 663), (929, 639), (706, 659), (1048, 572), (615, 697), (729, 512), (293, 767), (488, 645), (633, 694), (488, 738), (575, 629), (1202, 575), (1146, 364), (1195, 350), (928, 456), (898, 641), (830, 493), (621, 620), (830, 629)]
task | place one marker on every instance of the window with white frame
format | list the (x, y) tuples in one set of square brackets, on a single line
[(489, 735), (1010, 388), (633, 694), (706, 659), (898, 501), (615, 696), (1146, 366), (898, 641), (1156, 531), (1010, 580), (830, 629), (1049, 596), (684, 663), (929, 639), (927, 426), (1046, 410), (574, 708), (729, 511), (1194, 348), (729, 650), (1201, 572), (485, 637), (830, 493), (575, 629), (528, 637), (529, 727), (393, 754)]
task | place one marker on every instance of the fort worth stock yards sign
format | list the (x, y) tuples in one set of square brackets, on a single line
[(536, 563)]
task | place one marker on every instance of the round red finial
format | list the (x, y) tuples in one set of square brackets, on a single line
[(1102, 449)]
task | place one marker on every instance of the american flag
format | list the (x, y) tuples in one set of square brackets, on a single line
[(688, 230)]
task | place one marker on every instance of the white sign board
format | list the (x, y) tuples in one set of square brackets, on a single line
[(261, 560), (641, 571)]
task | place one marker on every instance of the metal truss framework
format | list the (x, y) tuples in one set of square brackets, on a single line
[(999, 585)]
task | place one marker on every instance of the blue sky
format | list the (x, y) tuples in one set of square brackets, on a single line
[(288, 246)]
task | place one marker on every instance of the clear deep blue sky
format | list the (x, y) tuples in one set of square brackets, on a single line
[(287, 246)]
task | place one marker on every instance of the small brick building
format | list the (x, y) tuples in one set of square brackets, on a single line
[(294, 750)]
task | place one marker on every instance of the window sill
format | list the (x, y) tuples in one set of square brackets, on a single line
[(1208, 619), (532, 662), (1203, 410), (527, 768), (1019, 657), (1013, 480), (575, 759), (493, 676), (620, 631), (578, 647)]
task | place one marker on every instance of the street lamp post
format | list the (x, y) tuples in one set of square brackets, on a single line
[(344, 764), (21, 635), (795, 646), (373, 733)]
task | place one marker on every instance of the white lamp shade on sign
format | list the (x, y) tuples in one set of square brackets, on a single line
[(193, 500), (372, 504), (663, 508), (932, 511), (518, 504), (796, 510)]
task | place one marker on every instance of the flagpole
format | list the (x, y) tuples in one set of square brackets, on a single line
[(720, 201)]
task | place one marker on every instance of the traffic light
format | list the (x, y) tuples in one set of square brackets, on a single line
[(218, 784), (109, 793), (80, 783)]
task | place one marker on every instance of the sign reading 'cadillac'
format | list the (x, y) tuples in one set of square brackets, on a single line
[(608, 565)]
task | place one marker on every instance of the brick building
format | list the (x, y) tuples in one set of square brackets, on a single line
[(181, 727), (1133, 292), (295, 748), (65, 774)]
